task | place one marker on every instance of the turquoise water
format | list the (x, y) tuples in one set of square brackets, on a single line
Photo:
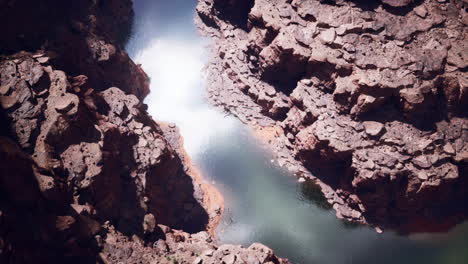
[(263, 202)]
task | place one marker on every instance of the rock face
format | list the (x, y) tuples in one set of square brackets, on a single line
[(86, 175), (87, 156), (180, 247), (366, 99), (91, 35)]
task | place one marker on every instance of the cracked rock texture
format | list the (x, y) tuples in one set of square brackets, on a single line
[(86, 175), (367, 99), (180, 247), (86, 157)]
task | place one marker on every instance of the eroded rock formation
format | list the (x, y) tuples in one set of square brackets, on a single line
[(180, 247), (86, 175), (367, 99)]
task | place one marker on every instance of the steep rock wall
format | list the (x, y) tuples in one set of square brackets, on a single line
[(87, 157), (86, 175), (367, 99)]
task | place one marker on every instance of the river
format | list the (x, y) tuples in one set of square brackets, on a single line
[(263, 202)]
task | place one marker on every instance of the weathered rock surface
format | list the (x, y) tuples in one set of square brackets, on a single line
[(90, 33), (85, 173), (89, 156), (180, 247), (366, 99)]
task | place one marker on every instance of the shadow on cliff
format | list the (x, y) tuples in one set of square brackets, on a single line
[(236, 12), (162, 189), (80, 37), (391, 110), (33, 230), (311, 192), (367, 5), (437, 107), (32, 24), (173, 200)]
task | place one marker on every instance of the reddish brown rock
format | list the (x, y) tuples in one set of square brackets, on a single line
[(85, 154), (180, 247), (366, 99), (86, 175), (373, 128), (84, 37)]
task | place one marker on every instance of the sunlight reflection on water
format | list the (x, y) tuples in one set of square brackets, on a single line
[(263, 202), (175, 68)]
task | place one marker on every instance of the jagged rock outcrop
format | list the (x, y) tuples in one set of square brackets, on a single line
[(88, 157), (90, 33), (180, 247), (366, 99), (86, 175)]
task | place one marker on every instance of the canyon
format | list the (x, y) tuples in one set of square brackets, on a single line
[(368, 100), (86, 174), (365, 102)]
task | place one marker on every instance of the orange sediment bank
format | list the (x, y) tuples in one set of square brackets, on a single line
[(272, 137), (266, 134), (213, 201)]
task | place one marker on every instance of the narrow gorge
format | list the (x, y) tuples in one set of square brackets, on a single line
[(234, 131)]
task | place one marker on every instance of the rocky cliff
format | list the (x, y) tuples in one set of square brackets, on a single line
[(367, 99), (86, 175)]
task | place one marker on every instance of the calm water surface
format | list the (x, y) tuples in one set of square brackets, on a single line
[(263, 203)]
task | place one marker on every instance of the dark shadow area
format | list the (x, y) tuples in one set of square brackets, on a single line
[(115, 71), (235, 12), (64, 29), (208, 21), (391, 110), (171, 196), (115, 193), (311, 192), (332, 168), (169, 190), (437, 106), (30, 227), (30, 23), (367, 5), (389, 204), (4, 124), (75, 131), (269, 35), (334, 175), (119, 17), (404, 10), (285, 74), (326, 72), (290, 68), (42, 84)]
